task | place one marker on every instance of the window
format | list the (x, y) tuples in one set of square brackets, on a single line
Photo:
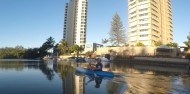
[(143, 14), (141, 20), (133, 26), (142, 30), (133, 13), (142, 0), (133, 17), (146, 35), (132, 4), (144, 9), (143, 24)]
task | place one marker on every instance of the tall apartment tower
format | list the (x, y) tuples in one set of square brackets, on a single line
[(75, 20), (149, 21)]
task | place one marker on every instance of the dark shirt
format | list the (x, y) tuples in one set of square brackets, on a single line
[(99, 65)]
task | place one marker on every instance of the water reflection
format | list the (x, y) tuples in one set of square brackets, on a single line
[(76, 83), (20, 65), (62, 79), (28, 77), (146, 79)]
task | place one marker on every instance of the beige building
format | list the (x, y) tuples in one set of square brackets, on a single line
[(74, 31), (149, 21)]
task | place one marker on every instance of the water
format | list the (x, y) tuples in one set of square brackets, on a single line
[(37, 77)]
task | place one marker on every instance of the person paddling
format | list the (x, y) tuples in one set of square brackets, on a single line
[(97, 67)]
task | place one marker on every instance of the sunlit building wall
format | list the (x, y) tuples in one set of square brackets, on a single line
[(74, 31), (149, 21)]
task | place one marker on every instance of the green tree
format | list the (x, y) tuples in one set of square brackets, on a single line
[(76, 48), (139, 44), (105, 41), (157, 43), (117, 32), (47, 45), (12, 53), (32, 53), (187, 43), (172, 44), (63, 47)]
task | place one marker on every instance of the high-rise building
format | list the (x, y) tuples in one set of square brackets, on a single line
[(149, 21), (74, 31)]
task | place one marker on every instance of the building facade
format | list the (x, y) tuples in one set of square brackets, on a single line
[(149, 21), (75, 20)]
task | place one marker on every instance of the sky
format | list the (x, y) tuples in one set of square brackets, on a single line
[(29, 23)]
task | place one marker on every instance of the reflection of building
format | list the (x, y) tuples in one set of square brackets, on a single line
[(143, 81), (72, 84), (75, 22), (149, 21), (79, 85), (69, 84)]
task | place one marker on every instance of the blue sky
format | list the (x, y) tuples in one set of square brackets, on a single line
[(30, 22)]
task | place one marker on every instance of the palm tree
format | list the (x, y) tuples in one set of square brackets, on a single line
[(187, 43), (63, 47)]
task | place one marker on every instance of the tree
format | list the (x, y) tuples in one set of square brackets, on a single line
[(12, 53), (139, 44), (117, 32), (172, 44), (32, 53), (63, 47), (105, 41), (187, 43), (76, 48), (47, 45), (187, 50), (157, 43)]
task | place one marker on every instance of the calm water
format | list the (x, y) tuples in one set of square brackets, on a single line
[(36, 77)]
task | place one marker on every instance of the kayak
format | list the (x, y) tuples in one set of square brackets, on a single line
[(92, 72)]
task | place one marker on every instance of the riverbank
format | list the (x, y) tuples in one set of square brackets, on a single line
[(161, 61)]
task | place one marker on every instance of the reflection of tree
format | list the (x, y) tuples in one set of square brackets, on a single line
[(45, 70), (20, 65), (55, 67), (7, 65)]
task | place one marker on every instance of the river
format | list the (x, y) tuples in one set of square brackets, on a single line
[(49, 77)]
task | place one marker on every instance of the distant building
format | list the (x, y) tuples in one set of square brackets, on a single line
[(149, 21), (92, 47), (74, 31)]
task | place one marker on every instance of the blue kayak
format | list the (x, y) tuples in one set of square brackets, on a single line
[(98, 73)]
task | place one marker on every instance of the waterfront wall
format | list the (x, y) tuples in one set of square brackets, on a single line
[(134, 51)]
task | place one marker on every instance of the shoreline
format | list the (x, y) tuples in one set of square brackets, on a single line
[(160, 61)]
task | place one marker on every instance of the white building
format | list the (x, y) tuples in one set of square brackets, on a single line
[(74, 31), (149, 21)]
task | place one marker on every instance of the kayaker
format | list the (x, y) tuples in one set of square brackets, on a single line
[(97, 67)]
